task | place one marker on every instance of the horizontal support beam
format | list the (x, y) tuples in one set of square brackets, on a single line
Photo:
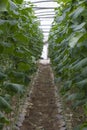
[(44, 11), (45, 25), (44, 8), (44, 20), (45, 28), (46, 17), (45, 31), (43, 1), (46, 34)]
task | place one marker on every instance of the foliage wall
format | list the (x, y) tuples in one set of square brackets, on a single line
[(68, 51), (21, 43)]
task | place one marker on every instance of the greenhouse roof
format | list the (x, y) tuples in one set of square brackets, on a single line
[(44, 9)]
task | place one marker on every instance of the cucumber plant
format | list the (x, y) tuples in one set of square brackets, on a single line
[(68, 51), (21, 42)]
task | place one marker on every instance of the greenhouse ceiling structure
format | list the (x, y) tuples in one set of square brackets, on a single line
[(44, 10)]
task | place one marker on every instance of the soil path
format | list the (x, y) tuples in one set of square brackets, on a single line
[(42, 112)]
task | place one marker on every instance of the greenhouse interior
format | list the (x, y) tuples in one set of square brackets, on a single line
[(43, 65)]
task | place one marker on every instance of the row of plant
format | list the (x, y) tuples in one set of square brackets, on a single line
[(68, 52), (21, 43)]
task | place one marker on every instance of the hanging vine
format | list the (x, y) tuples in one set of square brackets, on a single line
[(68, 52), (21, 43)]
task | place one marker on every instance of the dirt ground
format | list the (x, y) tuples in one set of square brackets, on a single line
[(42, 112)]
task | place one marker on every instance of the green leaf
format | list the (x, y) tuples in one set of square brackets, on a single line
[(23, 67), (13, 6), (2, 21), (67, 84), (77, 12), (27, 50), (81, 127), (3, 5), (76, 96), (61, 18), (4, 105), (21, 37), (64, 1), (1, 126), (14, 88), (2, 76), (3, 119), (84, 72), (84, 128), (11, 22), (1, 49), (19, 1), (18, 74), (79, 103), (78, 27), (80, 64), (81, 83), (74, 38)]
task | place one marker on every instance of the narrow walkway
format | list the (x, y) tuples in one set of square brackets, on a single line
[(42, 112)]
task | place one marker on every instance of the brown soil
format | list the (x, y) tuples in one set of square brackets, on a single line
[(42, 112)]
